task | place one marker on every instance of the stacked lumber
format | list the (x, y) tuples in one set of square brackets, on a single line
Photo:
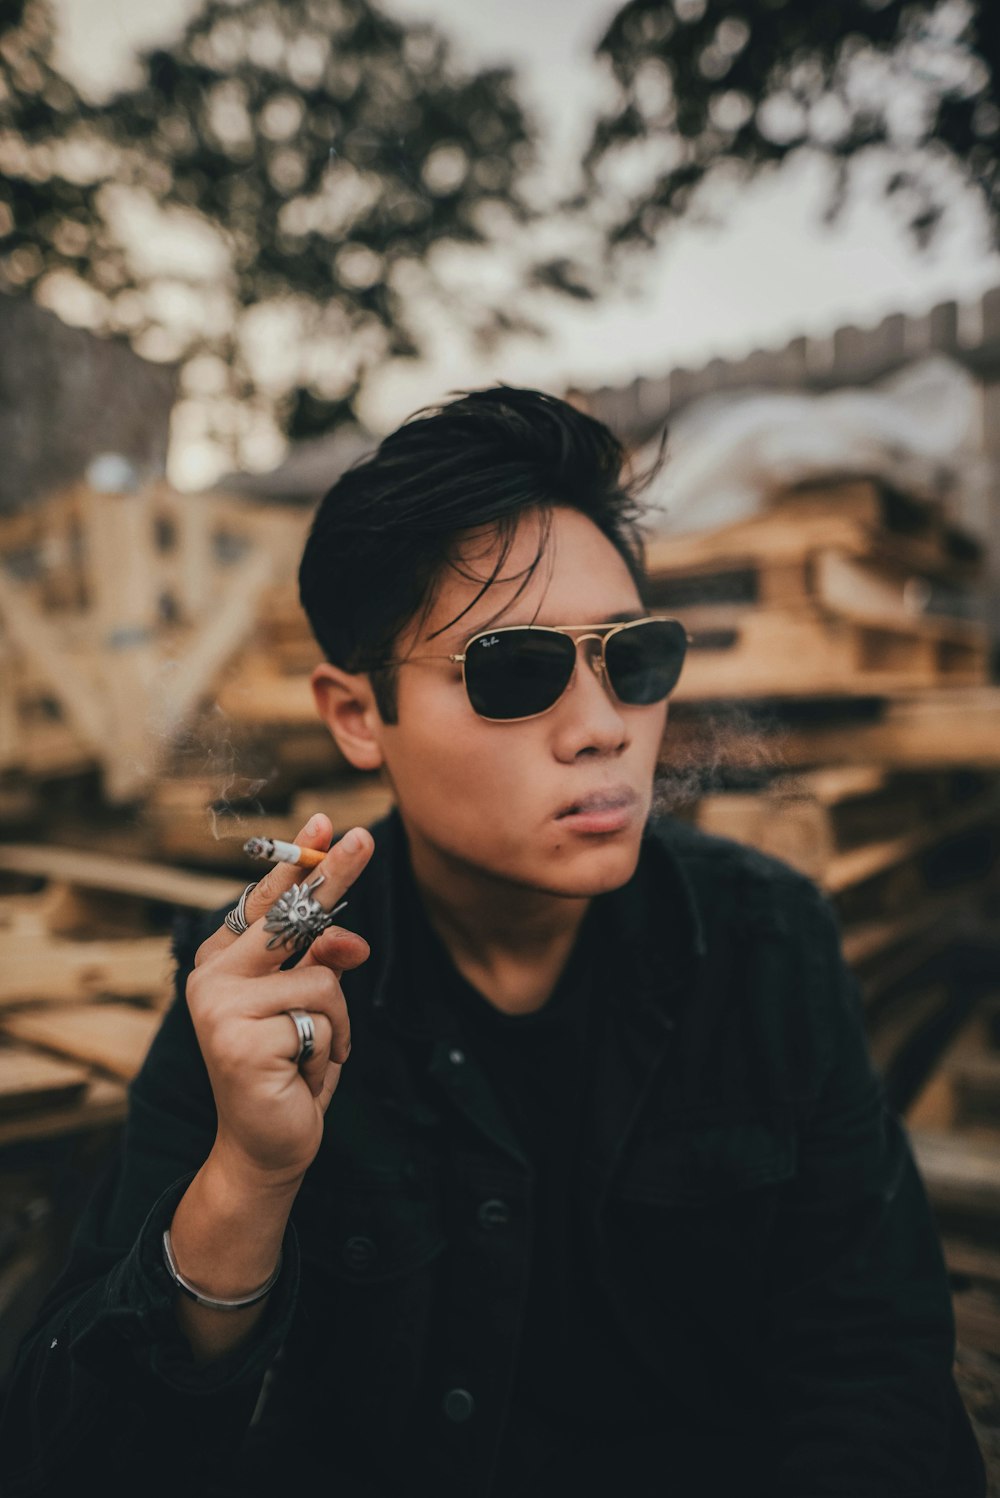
[(954, 1127), (835, 711), (118, 611), (838, 589), (272, 760), (85, 973)]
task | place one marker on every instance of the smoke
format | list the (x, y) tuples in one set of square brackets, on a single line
[(728, 747), (210, 751)]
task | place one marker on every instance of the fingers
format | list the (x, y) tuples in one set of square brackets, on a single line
[(278, 1036), (331, 1078), (315, 834), (318, 991), (250, 953)]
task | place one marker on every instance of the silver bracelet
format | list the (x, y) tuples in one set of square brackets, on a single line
[(212, 1301)]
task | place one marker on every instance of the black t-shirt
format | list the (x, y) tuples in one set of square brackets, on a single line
[(576, 1379)]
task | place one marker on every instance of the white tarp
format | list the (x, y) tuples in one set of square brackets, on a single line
[(727, 453)]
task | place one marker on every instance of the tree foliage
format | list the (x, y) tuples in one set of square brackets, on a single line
[(727, 89), (326, 154)]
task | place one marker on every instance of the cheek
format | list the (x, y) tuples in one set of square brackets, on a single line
[(441, 754)]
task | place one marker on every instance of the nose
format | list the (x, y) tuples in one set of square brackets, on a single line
[(594, 656)]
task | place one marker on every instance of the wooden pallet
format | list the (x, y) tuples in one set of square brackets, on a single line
[(943, 727), (118, 612), (773, 653), (841, 824), (113, 1037), (956, 1147), (865, 581), (859, 518)]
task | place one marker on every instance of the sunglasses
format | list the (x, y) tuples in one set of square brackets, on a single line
[(521, 670)]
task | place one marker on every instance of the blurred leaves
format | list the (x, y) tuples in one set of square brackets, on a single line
[(323, 152), (711, 90)]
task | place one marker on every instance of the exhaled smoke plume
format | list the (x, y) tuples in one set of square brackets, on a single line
[(726, 747)]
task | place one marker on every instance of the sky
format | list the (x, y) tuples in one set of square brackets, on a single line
[(771, 271)]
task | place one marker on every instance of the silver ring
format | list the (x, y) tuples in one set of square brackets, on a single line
[(306, 1031), (296, 918), (236, 919)]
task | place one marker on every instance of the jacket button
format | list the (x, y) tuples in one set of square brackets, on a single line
[(456, 1056), (458, 1405), (358, 1252), (493, 1213)]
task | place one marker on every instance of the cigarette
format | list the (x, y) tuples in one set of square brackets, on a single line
[(281, 852)]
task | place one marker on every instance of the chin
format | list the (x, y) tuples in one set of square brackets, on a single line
[(592, 868)]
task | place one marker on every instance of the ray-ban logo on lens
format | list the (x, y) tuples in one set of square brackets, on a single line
[(491, 641)]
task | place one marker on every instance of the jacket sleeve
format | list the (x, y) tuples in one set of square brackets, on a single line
[(105, 1393), (862, 1391)]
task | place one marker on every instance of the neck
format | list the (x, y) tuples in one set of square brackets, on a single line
[(510, 942)]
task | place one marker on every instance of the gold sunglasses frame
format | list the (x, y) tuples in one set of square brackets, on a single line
[(601, 635)]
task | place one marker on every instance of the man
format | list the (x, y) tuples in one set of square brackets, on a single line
[(563, 1166)]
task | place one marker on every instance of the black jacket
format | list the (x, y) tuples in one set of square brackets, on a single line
[(747, 1210)]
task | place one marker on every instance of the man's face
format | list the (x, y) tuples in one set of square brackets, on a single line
[(487, 794)]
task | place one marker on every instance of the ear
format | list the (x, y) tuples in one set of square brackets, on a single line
[(346, 703)]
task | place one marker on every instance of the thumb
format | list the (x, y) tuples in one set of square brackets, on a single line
[(338, 949)]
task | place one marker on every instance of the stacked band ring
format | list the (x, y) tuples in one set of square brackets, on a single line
[(236, 919), (306, 1032)]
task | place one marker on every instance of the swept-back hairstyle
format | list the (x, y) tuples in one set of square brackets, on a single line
[(383, 534)]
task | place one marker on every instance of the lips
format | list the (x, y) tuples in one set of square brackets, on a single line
[(611, 799)]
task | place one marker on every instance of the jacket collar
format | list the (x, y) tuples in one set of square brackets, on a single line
[(658, 915)]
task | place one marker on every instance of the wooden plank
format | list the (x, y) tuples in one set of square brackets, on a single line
[(936, 1108), (65, 971), (972, 1259), (776, 654), (119, 876), (114, 1037), (948, 727), (28, 1079), (874, 593), (960, 1173), (835, 783), (786, 535), (218, 639), (910, 1014), (924, 927), (105, 1102), (976, 1081), (854, 867), (787, 821), (37, 637), (268, 700)]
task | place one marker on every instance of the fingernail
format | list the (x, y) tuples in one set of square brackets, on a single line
[(351, 841), (311, 826)]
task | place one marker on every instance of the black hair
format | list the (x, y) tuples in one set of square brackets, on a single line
[(384, 532)]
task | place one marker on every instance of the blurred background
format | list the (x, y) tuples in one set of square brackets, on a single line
[(240, 240)]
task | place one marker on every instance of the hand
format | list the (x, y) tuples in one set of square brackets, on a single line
[(270, 1109)]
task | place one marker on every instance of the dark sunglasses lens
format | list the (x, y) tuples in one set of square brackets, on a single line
[(645, 660), (518, 672)]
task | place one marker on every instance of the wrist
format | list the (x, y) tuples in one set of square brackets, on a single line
[(228, 1228), (231, 1173)]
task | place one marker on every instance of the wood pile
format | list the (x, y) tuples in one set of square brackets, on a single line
[(118, 612), (954, 1127), (258, 761), (85, 973)]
